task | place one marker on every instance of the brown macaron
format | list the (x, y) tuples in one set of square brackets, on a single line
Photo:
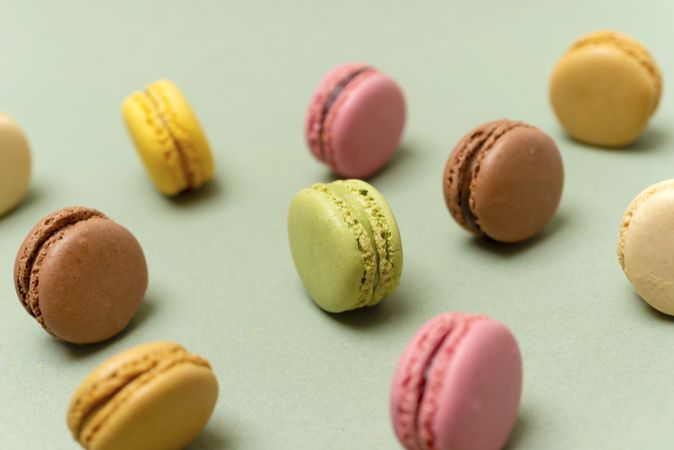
[(504, 180), (81, 275)]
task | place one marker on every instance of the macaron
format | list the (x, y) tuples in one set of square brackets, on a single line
[(81, 275), (457, 385), (156, 396), (345, 244), (168, 138), (355, 120), (15, 164), (646, 245), (504, 181), (605, 89)]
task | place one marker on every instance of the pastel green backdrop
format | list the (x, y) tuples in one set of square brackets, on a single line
[(598, 361)]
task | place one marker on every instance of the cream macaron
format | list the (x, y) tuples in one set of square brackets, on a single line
[(605, 89), (646, 245), (15, 164)]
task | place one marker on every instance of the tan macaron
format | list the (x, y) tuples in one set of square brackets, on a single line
[(605, 89), (646, 245), (15, 164), (156, 396)]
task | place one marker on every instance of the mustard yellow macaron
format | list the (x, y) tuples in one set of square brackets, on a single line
[(156, 396), (605, 89), (169, 138)]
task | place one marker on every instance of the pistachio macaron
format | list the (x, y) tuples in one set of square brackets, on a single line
[(646, 245), (345, 244), (156, 396), (15, 164), (168, 138), (605, 89)]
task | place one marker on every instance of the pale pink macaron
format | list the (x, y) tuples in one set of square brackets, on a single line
[(457, 385), (355, 120)]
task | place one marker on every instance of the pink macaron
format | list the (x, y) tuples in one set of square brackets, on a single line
[(355, 120), (458, 385)]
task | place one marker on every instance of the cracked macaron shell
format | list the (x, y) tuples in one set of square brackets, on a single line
[(504, 179), (457, 385), (15, 164), (646, 245), (81, 275), (345, 244), (363, 125), (168, 137), (605, 89), (155, 396)]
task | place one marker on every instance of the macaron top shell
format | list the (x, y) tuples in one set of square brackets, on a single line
[(504, 180), (355, 120), (457, 385), (646, 245), (169, 138), (345, 244), (81, 275), (155, 396), (15, 163), (605, 89)]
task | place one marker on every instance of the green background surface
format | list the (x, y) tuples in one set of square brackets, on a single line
[(598, 361)]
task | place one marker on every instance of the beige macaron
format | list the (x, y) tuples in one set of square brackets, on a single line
[(156, 396), (605, 89), (15, 163), (646, 245)]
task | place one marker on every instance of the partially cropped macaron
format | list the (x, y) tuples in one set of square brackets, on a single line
[(504, 180), (646, 245), (345, 244), (15, 164), (81, 275), (457, 385), (355, 120), (156, 396), (168, 138), (605, 89)]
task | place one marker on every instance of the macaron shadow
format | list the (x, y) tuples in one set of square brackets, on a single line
[(653, 139), (214, 437), (391, 308), (558, 222), (75, 352), (519, 432), (204, 194), (654, 313), (399, 161)]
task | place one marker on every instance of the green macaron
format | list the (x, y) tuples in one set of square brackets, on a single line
[(345, 244)]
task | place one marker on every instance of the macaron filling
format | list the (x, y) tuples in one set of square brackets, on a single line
[(473, 148), (52, 230), (330, 101), (159, 103)]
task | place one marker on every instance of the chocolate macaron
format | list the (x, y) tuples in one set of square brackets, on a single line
[(81, 275), (504, 181)]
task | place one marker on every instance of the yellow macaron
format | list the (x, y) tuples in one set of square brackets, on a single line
[(155, 396), (169, 138), (605, 89)]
